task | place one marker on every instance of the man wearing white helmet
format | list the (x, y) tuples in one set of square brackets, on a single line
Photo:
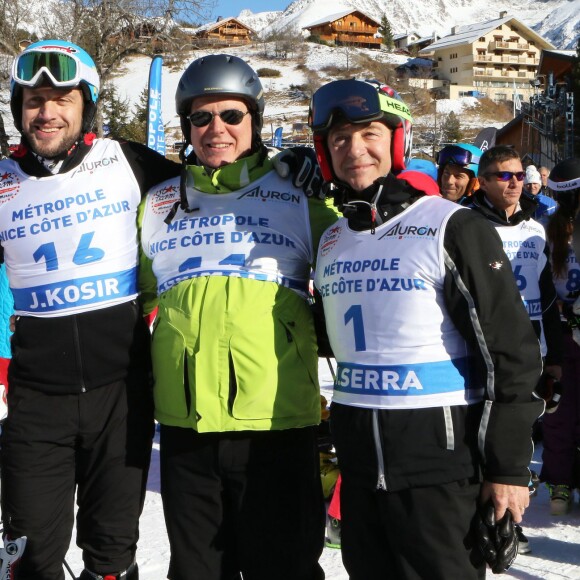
[(432, 408), (80, 412)]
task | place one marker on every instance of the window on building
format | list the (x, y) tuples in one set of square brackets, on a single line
[(500, 97)]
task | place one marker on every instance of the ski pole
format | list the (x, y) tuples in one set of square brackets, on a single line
[(69, 570)]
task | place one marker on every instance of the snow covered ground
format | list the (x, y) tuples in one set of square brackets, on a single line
[(555, 542)]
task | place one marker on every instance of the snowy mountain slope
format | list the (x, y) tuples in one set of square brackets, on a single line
[(556, 20)]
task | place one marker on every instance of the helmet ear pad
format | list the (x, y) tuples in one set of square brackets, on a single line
[(322, 155), (398, 143)]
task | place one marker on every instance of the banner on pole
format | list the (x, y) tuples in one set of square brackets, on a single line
[(155, 128)]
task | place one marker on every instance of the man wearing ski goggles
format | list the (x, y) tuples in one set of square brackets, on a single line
[(57, 402), (457, 171)]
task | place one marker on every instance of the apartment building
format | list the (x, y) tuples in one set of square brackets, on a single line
[(498, 58)]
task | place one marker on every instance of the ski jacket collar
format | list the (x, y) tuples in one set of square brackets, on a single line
[(394, 196), (525, 210), (34, 165), (230, 177)]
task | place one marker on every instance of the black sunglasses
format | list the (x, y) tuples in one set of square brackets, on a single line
[(229, 117), (506, 175)]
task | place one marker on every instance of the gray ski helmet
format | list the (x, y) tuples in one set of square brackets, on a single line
[(220, 74)]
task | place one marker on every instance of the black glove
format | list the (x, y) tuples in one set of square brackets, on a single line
[(301, 162), (498, 542), (549, 389)]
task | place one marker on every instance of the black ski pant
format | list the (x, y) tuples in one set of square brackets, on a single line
[(413, 534), (248, 502), (99, 443)]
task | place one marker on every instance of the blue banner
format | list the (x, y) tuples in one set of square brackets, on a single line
[(155, 129), (277, 141)]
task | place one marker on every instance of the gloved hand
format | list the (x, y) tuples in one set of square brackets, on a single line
[(549, 389), (301, 163), (497, 541)]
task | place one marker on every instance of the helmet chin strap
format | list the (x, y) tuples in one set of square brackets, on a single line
[(379, 213)]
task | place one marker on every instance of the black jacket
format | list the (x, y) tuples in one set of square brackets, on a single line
[(491, 439), (79, 352)]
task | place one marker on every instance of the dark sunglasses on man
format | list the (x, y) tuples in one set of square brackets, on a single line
[(506, 175), (229, 117)]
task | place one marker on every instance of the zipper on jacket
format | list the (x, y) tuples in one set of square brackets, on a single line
[(78, 351), (381, 479)]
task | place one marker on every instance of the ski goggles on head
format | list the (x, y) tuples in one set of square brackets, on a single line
[(63, 69), (352, 100), (456, 156)]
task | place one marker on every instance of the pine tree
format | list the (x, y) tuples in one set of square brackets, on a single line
[(451, 129), (116, 111), (387, 33)]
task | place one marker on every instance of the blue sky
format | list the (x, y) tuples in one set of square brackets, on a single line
[(227, 8)]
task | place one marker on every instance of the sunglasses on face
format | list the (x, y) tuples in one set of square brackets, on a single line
[(229, 117), (506, 175)]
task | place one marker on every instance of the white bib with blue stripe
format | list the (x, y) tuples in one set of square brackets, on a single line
[(260, 232), (524, 245), (70, 240), (394, 342)]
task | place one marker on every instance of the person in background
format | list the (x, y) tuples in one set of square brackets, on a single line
[(533, 186), (500, 200), (227, 255), (429, 386), (544, 173), (561, 427), (80, 407), (457, 171)]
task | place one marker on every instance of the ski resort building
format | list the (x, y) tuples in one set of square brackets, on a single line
[(224, 32), (498, 58)]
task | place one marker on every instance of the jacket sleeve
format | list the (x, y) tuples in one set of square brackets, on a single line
[(147, 280), (322, 215), (149, 167), (485, 305)]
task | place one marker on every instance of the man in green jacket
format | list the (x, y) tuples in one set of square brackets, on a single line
[(228, 251)]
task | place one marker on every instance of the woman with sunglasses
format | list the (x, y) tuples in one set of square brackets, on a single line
[(231, 248), (422, 317)]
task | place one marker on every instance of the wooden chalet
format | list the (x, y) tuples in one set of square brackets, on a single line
[(224, 32), (347, 28)]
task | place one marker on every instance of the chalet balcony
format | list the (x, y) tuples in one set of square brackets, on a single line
[(358, 39), (502, 45), (220, 41), (346, 28)]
